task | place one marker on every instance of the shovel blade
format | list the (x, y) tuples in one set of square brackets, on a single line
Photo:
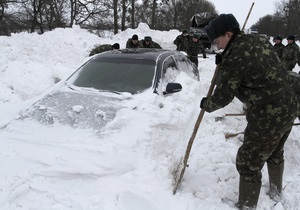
[(178, 175)]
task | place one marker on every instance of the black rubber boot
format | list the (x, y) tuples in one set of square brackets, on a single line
[(275, 180), (248, 195)]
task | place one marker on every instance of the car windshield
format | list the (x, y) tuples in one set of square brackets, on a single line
[(115, 74)]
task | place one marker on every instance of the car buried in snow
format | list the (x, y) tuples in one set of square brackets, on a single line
[(92, 95)]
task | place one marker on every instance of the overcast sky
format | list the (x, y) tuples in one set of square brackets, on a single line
[(240, 9)]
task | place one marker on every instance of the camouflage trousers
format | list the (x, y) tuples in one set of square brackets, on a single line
[(268, 128)]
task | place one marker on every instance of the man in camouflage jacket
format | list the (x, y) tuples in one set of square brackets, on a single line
[(133, 42), (290, 53), (278, 46), (104, 47), (148, 43), (182, 41), (252, 72), (194, 47)]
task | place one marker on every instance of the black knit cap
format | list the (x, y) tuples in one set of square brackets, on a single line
[(291, 37), (278, 37), (115, 46), (197, 36), (220, 25), (184, 31), (148, 38), (135, 37)]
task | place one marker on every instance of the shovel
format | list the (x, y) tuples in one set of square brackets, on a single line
[(178, 173)]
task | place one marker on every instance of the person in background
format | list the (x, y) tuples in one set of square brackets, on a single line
[(291, 53), (104, 47), (251, 71), (278, 46), (148, 43), (133, 42), (194, 48), (115, 46), (182, 41)]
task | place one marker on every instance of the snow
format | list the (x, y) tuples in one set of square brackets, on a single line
[(128, 166)]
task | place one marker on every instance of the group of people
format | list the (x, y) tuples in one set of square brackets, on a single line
[(132, 42), (289, 54), (147, 42), (191, 44), (259, 76)]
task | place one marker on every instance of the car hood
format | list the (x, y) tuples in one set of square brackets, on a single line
[(80, 107)]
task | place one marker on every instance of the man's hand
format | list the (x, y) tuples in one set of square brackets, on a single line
[(218, 58)]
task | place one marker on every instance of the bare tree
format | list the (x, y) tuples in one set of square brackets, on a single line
[(3, 25), (292, 12), (132, 13), (153, 14), (124, 11), (35, 15), (116, 25), (73, 11), (285, 21), (178, 13), (89, 12), (263, 25), (54, 12)]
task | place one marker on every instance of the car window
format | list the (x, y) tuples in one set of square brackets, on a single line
[(112, 74), (185, 65), (169, 73), (170, 69)]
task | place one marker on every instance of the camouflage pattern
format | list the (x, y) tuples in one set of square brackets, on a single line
[(267, 130), (299, 58), (182, 42), (151, 45), (100, 49), (130, 44), (252, 72), (194, 49), (279, 49), (290, 56), (294, 79)]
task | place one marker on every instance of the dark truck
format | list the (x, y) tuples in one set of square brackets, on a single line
[(198, 23)]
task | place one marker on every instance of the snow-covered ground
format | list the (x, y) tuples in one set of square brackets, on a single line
[(73, 168)]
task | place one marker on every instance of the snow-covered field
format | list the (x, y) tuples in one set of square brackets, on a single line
[(60, 167)]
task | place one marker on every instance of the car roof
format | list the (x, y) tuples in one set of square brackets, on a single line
[(151, 54), (137, 53)]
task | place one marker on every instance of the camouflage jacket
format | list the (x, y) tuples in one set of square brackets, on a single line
[(151, 45), (194, 48), (299, 58), (182, 42), (290, 56), (100, 49), (251, 71), (130, 44), (279, 49)]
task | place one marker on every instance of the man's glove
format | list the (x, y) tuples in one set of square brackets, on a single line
[(218, 58), (202, 102), (204, 56)]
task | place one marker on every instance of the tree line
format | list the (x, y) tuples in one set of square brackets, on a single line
[(285, 20), (115, 15)]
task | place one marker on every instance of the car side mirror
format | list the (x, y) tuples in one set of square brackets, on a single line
[(172, 88)]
